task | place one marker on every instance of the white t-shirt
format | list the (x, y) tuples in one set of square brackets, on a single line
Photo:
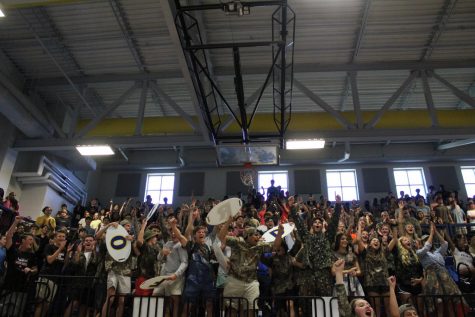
[(471, 218), (463, 257)]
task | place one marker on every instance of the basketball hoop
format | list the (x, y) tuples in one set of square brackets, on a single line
[(248, 175)]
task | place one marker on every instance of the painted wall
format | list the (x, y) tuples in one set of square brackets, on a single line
[(215, 180), (7, 155)]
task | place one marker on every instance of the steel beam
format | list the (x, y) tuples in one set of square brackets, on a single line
[(470, 91), (429, 100), (66, 76), (232, 45), (93, 123), (158, 102), (356, 50), (220, 6), (356, 99), (437, 31), (320, 102), (250, 100), (169, 14), (174, 105), (441, 22), (391, 101), (457, 92), (455, 144), (355, 136), (141, 110), (239, 88), (229, 71), (127, 33)]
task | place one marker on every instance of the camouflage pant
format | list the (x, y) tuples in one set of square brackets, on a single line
[(323, 282)]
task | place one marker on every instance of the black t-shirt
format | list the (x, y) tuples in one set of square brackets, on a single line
[(17, 261), (56, 267)]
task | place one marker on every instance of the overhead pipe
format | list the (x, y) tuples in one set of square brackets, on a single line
[(62, 183), (346, 155)]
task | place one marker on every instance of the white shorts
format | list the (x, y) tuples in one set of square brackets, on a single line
[(237, 288), (168, 288), (46, 289), (121, 283)]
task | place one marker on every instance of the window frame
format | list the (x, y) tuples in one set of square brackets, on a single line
[(422, 187), (340, 171), (462, 168), (161, 190), (259, 173)]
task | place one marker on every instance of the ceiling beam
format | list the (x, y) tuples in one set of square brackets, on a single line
[(168, 10), (55, 62), (355, 136), (356, 51), (174, 105), (93, 123), (429, 100), (455, 144), (325, 106), (391, 100), (126, 142), (261, 70), (457, 92)]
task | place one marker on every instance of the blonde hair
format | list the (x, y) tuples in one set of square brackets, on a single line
[(408, 257)]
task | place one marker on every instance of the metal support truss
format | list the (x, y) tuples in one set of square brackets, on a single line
[(189, 34), (391, 100), (283, 72), (207, 89), (429, 100), (93, 123)]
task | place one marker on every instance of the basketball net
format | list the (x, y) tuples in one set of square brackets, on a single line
[(248, 175)]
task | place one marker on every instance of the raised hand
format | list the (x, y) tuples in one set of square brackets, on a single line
[(338, 199), (280, 231), (392, 282), (339, 265)]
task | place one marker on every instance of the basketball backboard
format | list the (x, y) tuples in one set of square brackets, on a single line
[(238, 155)]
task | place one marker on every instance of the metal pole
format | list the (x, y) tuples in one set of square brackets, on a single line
[(239, 87)]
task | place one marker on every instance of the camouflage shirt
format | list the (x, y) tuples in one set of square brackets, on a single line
[(318, 253), (147, 261), (244, 258)]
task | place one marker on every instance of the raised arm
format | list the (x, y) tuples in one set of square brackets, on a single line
[(183, 240), (343, 304), (360, 243), (393, 305), (278, 238), (333, 225), (223, 232), (443, 244), (400, 218), (11, 231), (428, 245), (140, 239), (191, 219), (393, 241), (299, 223), (103, 230)]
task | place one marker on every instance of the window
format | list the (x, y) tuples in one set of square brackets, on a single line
[(410, 179), (343, 183), (280, 179), (468, 173), (160, 186)]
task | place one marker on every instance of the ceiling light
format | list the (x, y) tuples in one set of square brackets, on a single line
[(2, 14), (304, 144), (89, 150)]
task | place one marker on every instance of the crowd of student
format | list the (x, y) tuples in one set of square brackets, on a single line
[(393, 249)]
